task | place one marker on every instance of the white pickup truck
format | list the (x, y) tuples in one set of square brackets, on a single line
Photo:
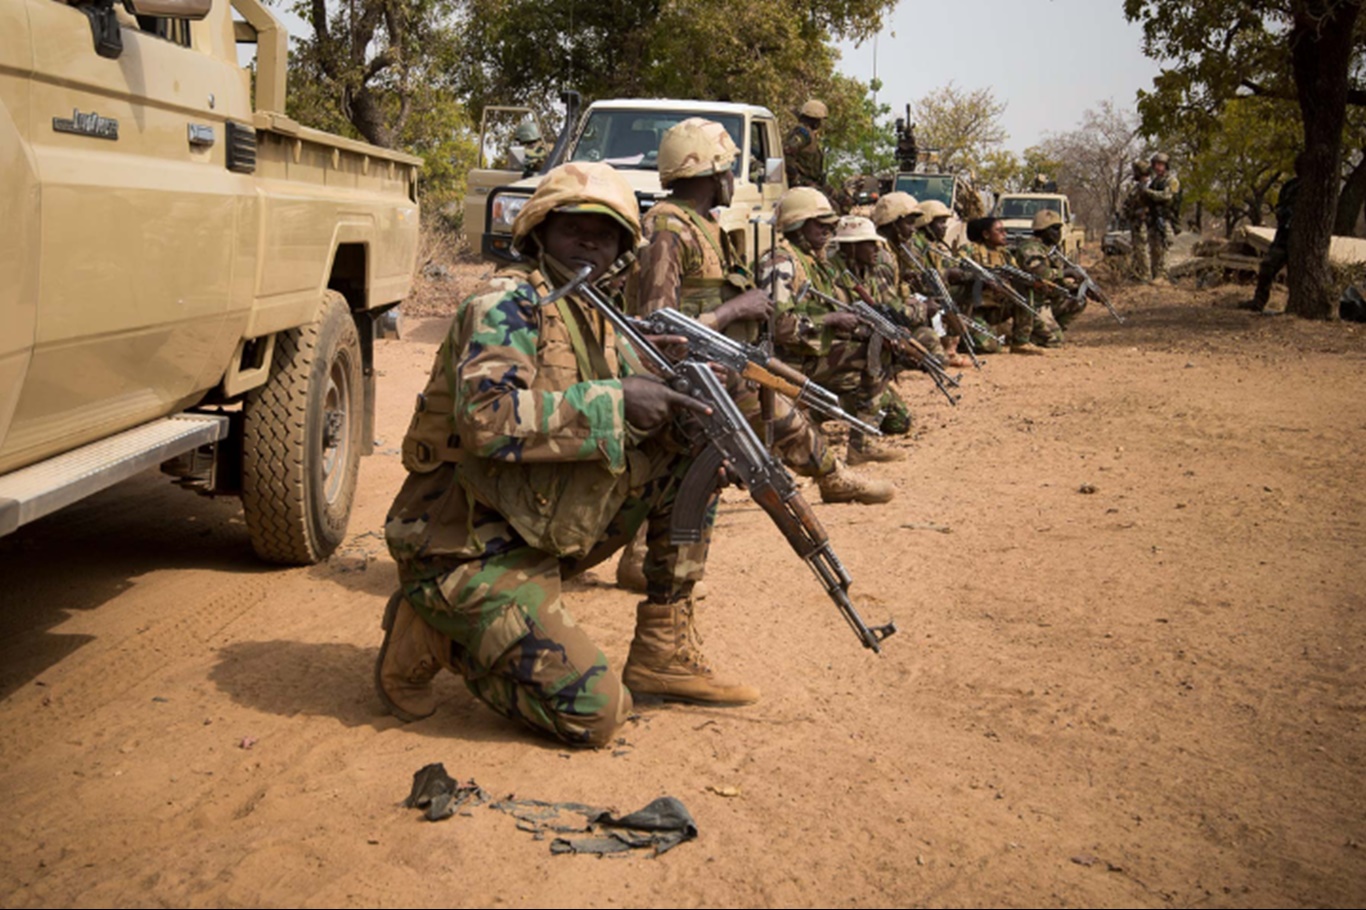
[(192, 279), (625, 133)]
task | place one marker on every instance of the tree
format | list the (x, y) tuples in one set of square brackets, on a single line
[(380, 70), (1305, 51), (1092, 162), (776, 54), (965, 126)]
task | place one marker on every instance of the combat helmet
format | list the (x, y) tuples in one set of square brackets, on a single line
[(1045, 219), (1160, 158), (854, 229), (815, 109), (527, 131), (1142, 169), (894, 206), (579, 188), (930, 210), (800, 205), (695, 148)]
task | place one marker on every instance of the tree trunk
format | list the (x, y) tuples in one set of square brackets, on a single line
[(1320, 52), (1351, 200)]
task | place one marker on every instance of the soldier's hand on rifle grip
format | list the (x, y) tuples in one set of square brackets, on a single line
[(751, 306), (843, 321), (674, 347), (649, 402)]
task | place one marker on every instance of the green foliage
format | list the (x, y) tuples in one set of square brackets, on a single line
[(856, 142), (965, 126), (776, 54), (1241, 157)]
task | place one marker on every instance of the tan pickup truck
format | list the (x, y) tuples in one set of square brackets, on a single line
[(1017, 211), (625, 133), (191, 278)]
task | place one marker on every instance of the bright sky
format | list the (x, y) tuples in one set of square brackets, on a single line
[(1049, 60)]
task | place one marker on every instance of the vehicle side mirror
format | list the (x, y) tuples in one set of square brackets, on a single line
[(773, 170)]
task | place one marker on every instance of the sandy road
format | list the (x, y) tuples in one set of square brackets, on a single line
[(1149, 694)]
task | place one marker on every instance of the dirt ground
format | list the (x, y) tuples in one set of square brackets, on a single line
[(1130, 670)]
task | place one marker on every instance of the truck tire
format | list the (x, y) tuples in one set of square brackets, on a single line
[(301, 440)]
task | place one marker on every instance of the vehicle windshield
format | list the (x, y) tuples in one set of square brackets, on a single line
[(925, 187), (630, 139), (1016, 207)]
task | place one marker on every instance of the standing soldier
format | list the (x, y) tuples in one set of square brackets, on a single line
[(1278, 254), (802, 147), (535, 149), (1164, 196), (1136, 214), (827, 344), (534, 454)]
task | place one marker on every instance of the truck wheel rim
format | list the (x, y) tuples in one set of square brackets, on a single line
[(336, 429)]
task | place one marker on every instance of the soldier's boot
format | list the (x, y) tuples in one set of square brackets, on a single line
[(844, 485), (410, 656), (631, 566), (1024, 347), (864, 449), (666, 660)]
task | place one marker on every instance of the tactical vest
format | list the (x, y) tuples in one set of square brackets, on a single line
[(720, 276), (805, 267), (561, 507)]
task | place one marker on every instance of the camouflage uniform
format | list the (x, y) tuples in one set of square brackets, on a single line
[(804, 156), (1135, 207), (1056, 310), (880, 283), (1004, 316), (691, 264), (1161, 196), (836, 360), (523, 471)]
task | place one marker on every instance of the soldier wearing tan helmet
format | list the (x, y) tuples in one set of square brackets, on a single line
[(931, 228), (802, 147), (827, 344), (1163, 196), (693, 266), (504, 500), (1135, 209), (1035, 254)]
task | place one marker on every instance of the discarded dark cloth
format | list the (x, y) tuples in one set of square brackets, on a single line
[(660, 826), (435, 791)]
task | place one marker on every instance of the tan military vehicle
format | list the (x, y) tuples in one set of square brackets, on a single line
[(191, 278), (625, 133), (1017, 211)]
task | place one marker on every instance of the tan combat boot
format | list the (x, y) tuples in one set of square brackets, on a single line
[(666, 660), (864, 449), (409, 659), (1024, 347), (844, 485)]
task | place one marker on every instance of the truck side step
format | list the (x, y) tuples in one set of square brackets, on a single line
[(43, 488)]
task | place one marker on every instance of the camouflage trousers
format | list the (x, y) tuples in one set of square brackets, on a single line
[(1158, 241), (1138, 254), (1048, 326), (1012, 320), (514, 641), (845, 370), (796, 443)]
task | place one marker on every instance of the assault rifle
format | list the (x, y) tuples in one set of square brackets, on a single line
[(1088, 285), (1030, 280), (935, 281), (992, 280), (730, 442), (884, 330), (751, 362)]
